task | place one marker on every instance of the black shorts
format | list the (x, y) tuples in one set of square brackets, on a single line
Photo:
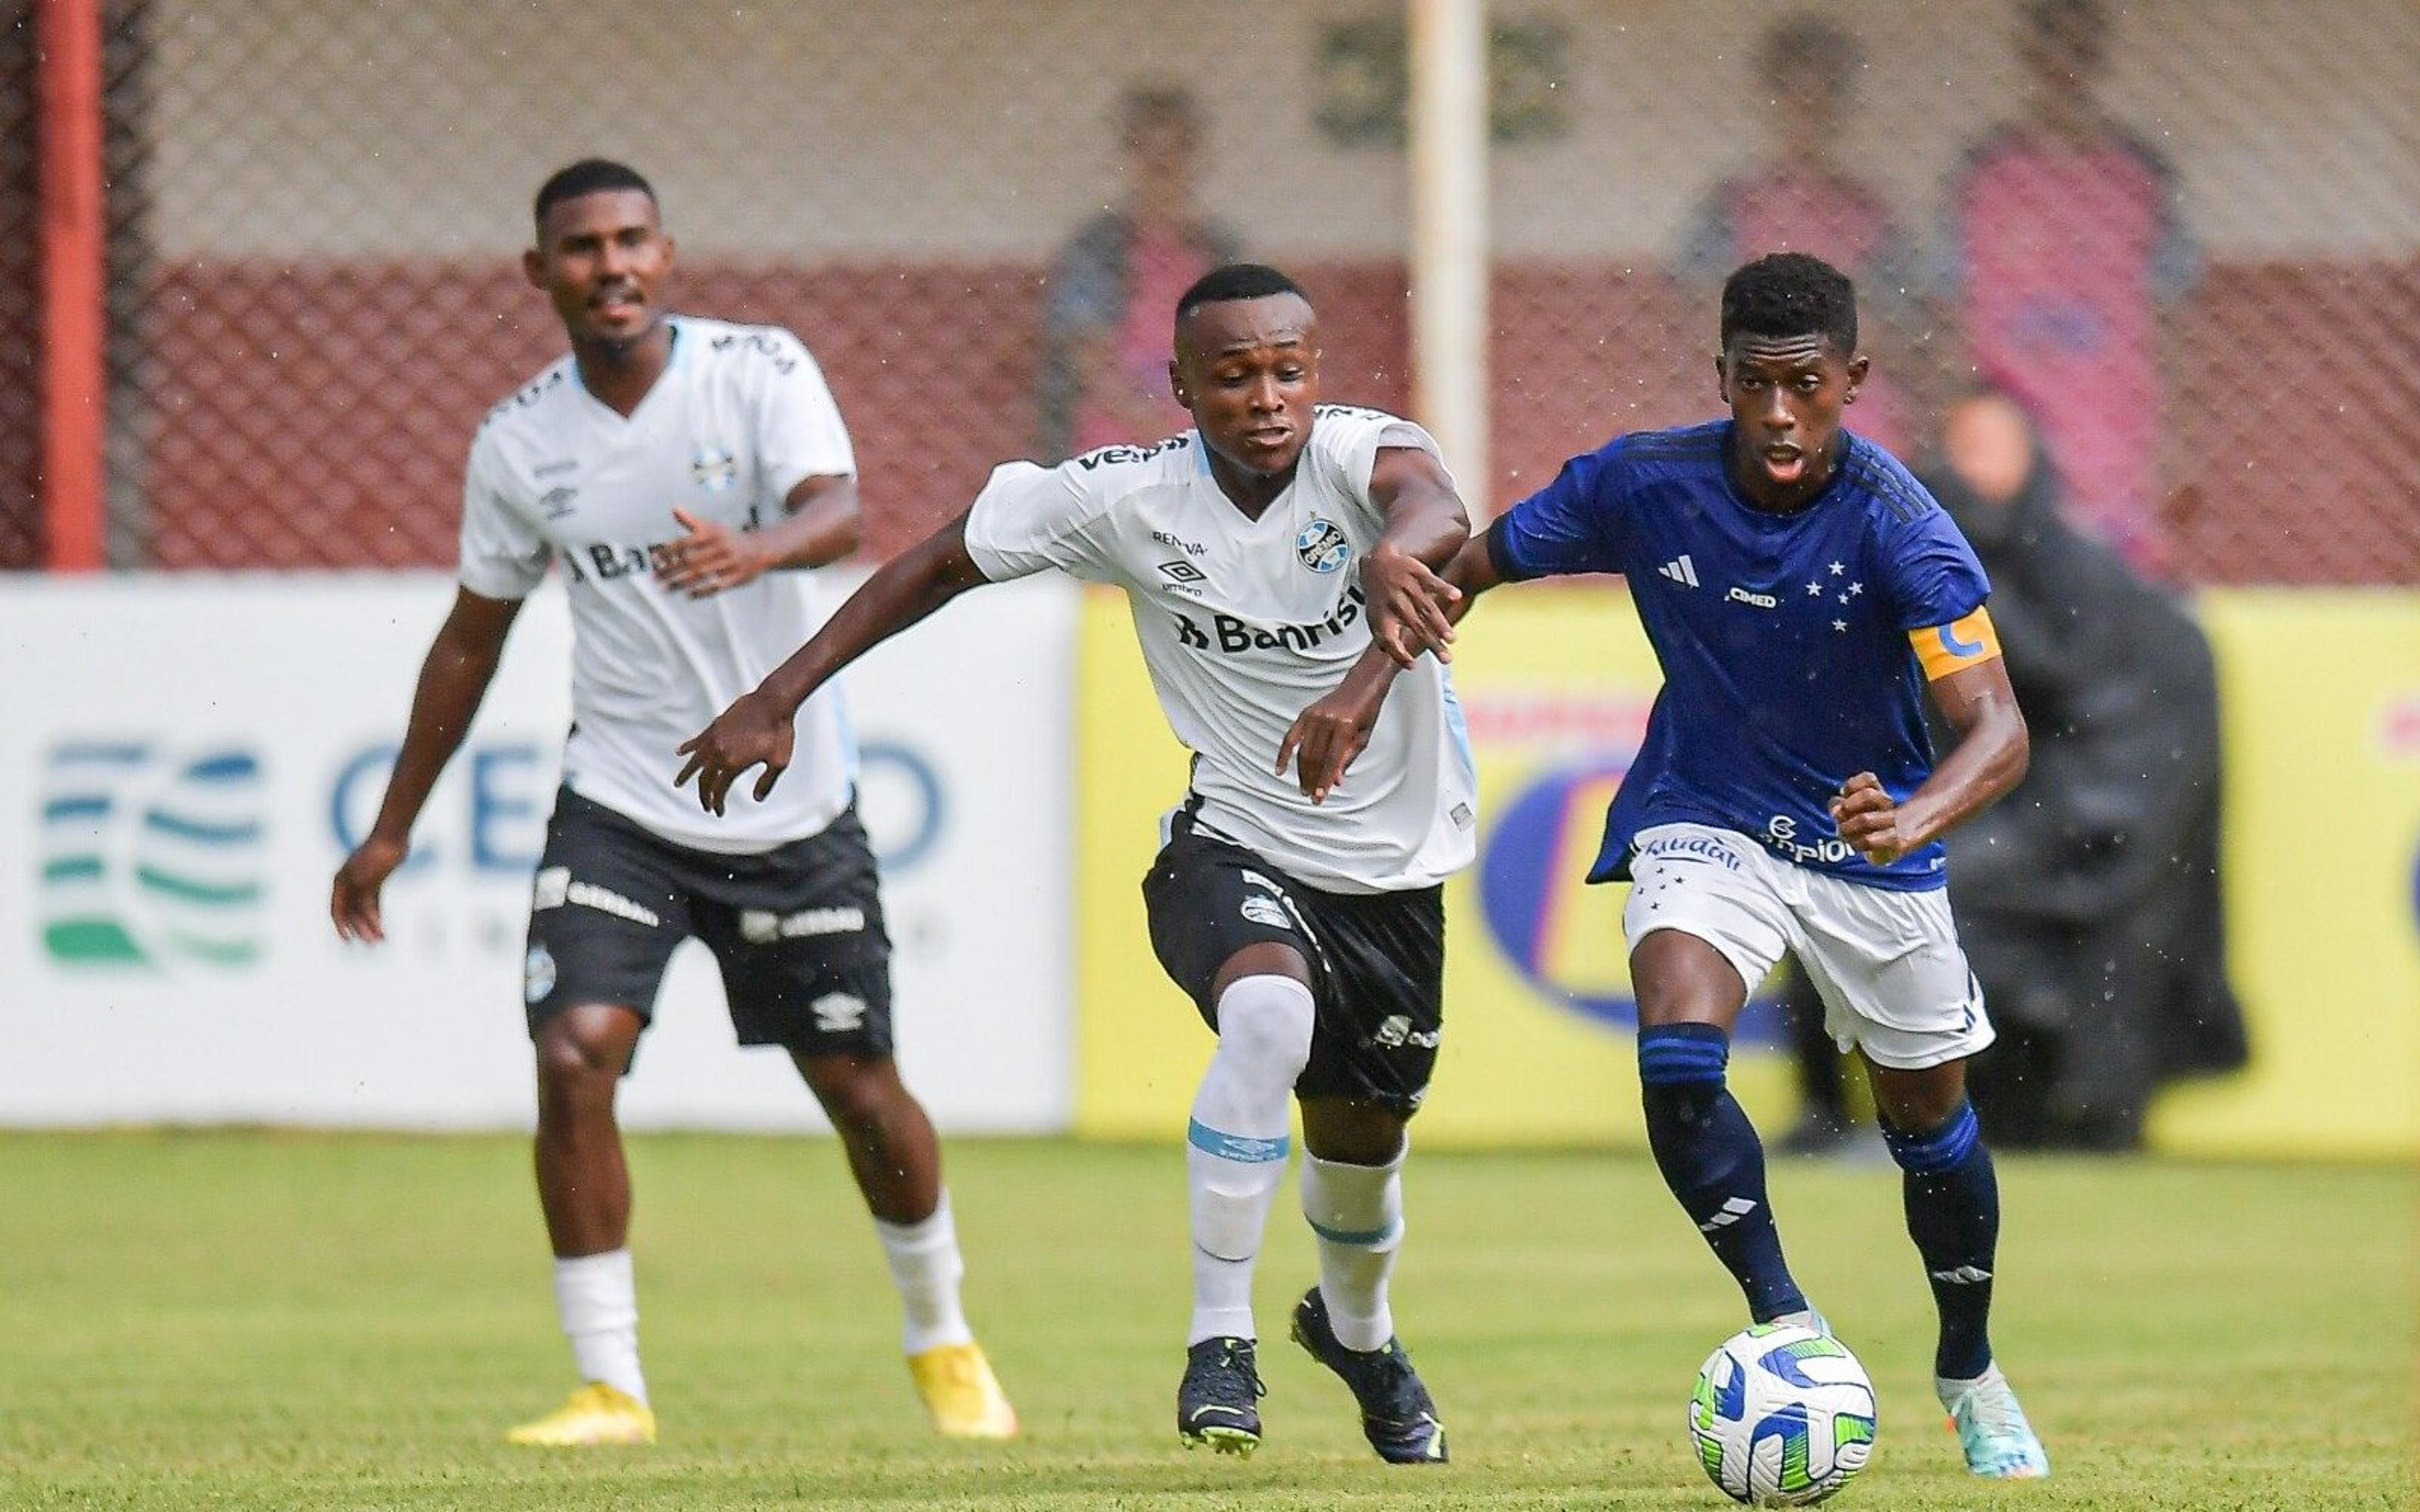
[(1378, 959), (796, 930)]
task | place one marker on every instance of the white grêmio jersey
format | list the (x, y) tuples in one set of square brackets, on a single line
[(1245, 623), (739, 415)]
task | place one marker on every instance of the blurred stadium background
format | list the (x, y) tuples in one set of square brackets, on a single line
[(258, 283), (300, 284)]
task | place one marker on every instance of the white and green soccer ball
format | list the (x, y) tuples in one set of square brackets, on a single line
[(1782, 1415)]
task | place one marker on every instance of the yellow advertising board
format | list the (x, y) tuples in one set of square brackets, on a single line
[(2322, 692), (2319, 692)]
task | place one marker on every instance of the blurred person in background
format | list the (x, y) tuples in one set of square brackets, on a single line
[(1803, 198), (2090, 898), (675, 466), (1105, 319), (2065, 249), (1277, 559)]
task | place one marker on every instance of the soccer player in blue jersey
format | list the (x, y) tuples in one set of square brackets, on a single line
[(1801, 591)]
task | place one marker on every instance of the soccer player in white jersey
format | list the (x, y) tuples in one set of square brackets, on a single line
[(671, 466), (1802, 593), (1277, 559)]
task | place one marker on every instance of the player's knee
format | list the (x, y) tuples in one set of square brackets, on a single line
[(857, 1092), (1267, 1020), (1352, 1131), (581, 1052), (1919, 1103)]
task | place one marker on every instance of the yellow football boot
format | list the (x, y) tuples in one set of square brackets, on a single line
[(597, 1414), (962, 1394)]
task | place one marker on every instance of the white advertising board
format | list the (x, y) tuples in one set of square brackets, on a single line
[(186, 758)]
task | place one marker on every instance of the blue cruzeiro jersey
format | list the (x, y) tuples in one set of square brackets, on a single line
[(1783, 638)]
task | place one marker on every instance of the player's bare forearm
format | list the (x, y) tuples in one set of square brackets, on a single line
[(1471, 573), (454, 679), (1426, 524), (1325, 737), (1425, 518), (1989, 760), (758, 728), (902, 591), (821, 525)]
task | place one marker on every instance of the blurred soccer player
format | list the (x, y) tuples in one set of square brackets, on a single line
[(673, 465), (1277, 555), (1800, 588)]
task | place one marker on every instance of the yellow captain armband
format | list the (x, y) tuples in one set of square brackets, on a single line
[(1962, 644)]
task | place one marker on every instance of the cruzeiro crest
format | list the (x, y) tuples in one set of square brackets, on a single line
[(150, 855), (1323, 547), (714, 468)]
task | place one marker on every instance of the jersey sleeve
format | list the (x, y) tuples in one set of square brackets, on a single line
[(1572, 525), (799, 430), (1930, 573), (503, 554), (1028, 519), (1349, 440)]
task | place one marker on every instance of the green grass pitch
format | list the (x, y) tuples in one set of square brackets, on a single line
[(258, 1320)]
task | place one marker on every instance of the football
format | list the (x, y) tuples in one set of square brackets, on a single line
[(1782, 1415)]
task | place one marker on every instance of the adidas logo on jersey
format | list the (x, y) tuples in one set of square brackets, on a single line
[(1681, 570)]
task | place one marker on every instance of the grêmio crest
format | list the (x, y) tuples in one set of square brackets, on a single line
[(1323, 547)]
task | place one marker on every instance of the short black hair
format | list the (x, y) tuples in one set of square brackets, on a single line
[(1790, 294), (1236, 281), (587, 177)]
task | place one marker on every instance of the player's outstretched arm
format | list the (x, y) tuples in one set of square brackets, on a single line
[(1325, 737), (819, 525), (757, 730), (1989, 758), (1426, 524), (454, 678)]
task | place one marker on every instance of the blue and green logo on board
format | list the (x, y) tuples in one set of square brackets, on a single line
[(150, 857)]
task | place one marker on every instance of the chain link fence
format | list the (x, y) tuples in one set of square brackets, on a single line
[(2185, 234)]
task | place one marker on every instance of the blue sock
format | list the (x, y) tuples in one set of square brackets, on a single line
[(1953, 1214), (1713, 1161)]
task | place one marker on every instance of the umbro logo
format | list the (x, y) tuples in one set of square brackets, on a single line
[(838, 1013), (1183, 572), (1681, 570)]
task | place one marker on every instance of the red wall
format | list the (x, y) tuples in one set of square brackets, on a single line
[(317, 415)]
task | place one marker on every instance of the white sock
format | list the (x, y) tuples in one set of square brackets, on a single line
[(1805, 1317), (925, 1267), (598, 1300), (1357, 1213), (1950, 1389), (1238, 1143)]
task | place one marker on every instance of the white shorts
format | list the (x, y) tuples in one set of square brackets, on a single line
[(1895, 983)]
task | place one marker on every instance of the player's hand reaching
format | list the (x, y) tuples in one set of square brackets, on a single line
[(752, 733), (1868, 818), (1410, 607), (711, 559), (1326, 736), (353, 901)]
